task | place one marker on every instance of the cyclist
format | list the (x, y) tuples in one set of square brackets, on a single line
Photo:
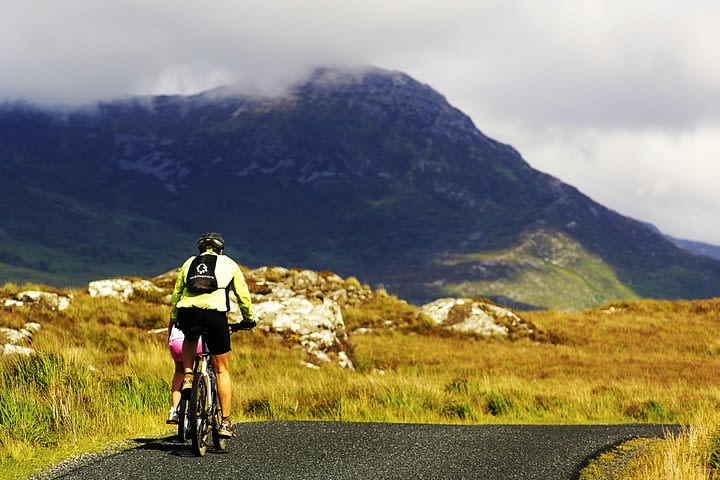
[(175, 341), (200, 302)]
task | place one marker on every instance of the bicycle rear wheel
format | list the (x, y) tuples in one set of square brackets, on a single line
[(200, 414)]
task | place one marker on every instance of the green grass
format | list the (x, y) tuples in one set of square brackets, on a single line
[(101, 377), (549, 269), (52, 407), (62, 258)]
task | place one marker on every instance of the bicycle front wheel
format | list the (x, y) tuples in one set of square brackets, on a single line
[(200, 414), (219, 442)]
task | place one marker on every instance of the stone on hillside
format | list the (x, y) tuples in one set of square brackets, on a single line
[(309, 365), (34, 298), (145, 286), (279, 281), (9, 349), (10, 339), (344, 361), (303, 306), (12, 336), (306, 279), (476, 316), (167, 279), (438, 310), (120, 288), (53, 301), (318, 327), (279, 291), (31, 327)]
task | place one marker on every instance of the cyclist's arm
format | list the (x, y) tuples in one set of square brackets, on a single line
[(178, 290), (243, 295)]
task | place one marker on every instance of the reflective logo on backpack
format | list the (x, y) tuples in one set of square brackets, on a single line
[(201, 274)]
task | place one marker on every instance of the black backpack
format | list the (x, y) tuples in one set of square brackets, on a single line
[(201, 275)]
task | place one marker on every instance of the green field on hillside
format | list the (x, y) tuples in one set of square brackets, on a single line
[(545, 269)]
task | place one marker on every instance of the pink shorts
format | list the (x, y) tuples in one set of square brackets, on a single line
[(176, 349)]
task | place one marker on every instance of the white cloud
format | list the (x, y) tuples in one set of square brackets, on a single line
[(669, 180), (79, 50), (620, 98)]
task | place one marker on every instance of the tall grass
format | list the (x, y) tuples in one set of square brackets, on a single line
[(82, 390), (102, 377), (694, 454)]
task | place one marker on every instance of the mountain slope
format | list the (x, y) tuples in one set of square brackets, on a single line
[(371, 174), (698, 248), (545, 268)]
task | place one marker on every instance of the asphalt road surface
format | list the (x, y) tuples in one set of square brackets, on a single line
[(327, 450)]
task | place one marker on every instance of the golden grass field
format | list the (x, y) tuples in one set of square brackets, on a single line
[(101, 377)]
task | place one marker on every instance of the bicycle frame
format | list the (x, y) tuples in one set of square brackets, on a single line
[(200, 409)]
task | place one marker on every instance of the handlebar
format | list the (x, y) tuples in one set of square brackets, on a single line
[(235, 327)]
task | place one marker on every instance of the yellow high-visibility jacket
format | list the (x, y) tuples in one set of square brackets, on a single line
[(229, 277)]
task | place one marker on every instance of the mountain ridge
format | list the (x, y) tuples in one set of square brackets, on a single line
[(370, 174)]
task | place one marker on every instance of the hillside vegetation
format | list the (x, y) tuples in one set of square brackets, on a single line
[(368, 173), (100, 376), (544, 268)]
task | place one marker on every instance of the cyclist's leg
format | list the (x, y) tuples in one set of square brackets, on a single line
[(218, 342), (176, 354), (221, 367), (188, 354), (176, 382), (189, 322)]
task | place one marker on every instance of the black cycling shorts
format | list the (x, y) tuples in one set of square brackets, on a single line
[(211, 324)]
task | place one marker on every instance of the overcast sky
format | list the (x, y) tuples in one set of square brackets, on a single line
[(620, 98)]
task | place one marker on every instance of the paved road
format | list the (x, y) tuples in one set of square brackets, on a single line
[(325, 450)]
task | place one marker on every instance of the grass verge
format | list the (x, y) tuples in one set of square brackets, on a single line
[(694, 454)]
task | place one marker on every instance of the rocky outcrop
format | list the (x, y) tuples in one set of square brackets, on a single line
[(121, 288), (10, 349), (17, 341), (317, 327), (304, 305), (476, 316), (308, 284), (34, 298)]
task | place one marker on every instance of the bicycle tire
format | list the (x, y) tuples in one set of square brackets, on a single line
[(184, 417), (200, 414), (219, 443)]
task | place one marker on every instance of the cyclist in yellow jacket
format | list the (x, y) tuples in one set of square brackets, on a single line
[(200, 302)]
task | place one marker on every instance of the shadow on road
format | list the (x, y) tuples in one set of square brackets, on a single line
[(170, 445)]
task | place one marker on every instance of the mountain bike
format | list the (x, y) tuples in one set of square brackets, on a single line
[(200, 413)]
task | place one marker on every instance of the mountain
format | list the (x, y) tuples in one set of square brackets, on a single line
[(365, 173), (698, 248)]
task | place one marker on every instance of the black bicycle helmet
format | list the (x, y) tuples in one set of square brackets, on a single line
[(210, 240)]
